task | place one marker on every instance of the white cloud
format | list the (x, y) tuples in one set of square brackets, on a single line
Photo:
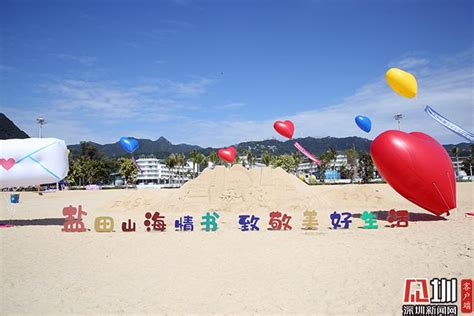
[(230, 105), (110, 101), (83, 60), (448, 88), (411, 62), (446, 85), (195, 87)]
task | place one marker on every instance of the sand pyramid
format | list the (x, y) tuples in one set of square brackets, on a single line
[(237, 188)]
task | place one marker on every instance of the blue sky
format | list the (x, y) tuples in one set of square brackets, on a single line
[(215, 73)]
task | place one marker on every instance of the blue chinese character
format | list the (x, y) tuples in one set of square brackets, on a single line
[(244, 221), (184, 223), (336, 219)]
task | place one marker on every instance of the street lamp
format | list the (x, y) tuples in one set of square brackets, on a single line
[(41, 121), (398, 117)]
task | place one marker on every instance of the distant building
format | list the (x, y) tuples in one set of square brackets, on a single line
[(457, 165), (154, 171), (307, 167)]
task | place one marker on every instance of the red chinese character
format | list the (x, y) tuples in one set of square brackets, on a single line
[(277, 224), (416, 291), (72, 224), (401, 218), (128, 226), (158, 222), (466, 296)]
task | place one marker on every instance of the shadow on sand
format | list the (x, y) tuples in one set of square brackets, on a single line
[(412, 217), (34, 222)]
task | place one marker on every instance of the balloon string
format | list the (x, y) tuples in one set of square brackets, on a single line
[(307, 153)]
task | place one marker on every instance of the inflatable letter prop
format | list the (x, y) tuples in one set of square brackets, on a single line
[(32, 161)]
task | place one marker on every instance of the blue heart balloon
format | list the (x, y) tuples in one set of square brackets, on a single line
[(129, 144), (364, 123)]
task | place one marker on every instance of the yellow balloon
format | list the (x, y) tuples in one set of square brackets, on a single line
[(402, 82), (68, 152)]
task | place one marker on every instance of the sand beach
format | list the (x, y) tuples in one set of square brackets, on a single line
[(356, 271)]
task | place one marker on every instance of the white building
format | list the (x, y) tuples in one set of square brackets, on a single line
[(154, 171), (457, 165), (309, 167)]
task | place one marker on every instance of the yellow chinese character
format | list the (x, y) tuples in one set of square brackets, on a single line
[(104, 224), (310, 221)]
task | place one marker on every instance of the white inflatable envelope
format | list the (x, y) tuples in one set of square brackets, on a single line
[(32, 161)]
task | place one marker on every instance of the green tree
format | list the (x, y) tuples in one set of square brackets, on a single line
[(170, 163), (200, 160), (325, 159), (351, 155), (128, 170), (455, 151), (250, 157), (75, 175), (180, 163), (89, 150), (214, 158), (366, 167), (296, 160), (468, 162), (286, 162), (332, 155), (267, 158), (194, 156), (345, 171)]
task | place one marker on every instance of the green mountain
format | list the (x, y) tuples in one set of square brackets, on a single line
[(161, 147), (9, 130)]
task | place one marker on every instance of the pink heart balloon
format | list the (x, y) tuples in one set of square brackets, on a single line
[(7, 164)]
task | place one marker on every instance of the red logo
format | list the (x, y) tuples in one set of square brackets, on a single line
[(416, 291), (466, 296)]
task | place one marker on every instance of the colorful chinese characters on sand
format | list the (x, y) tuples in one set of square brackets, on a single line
[(277, 221)]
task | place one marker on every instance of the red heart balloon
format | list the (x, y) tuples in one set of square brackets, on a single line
[(285, 129), (417, 167), (227, 154)]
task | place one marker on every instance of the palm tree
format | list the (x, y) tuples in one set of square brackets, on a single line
[(200, 159), (214, 158), (455, 152), (267, 158), (333, 155), (194, 157), (170, 163), (297, 160), (351, 155), (250, 157), (180, 162)]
